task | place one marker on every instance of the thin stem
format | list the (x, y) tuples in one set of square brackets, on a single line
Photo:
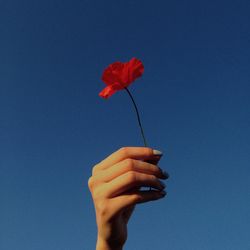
[(138, 117)]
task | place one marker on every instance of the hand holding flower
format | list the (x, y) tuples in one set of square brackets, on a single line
[(116, 182), (115, 187)]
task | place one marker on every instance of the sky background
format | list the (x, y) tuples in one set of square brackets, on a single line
[(194, 99)]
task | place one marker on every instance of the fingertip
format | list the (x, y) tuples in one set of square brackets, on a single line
[(164, 173), (157, 152), (147, 196), (163, 193)]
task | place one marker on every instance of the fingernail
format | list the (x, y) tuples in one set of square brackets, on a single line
[(157, 152), (166, 174), (163, 193), (163, 184)]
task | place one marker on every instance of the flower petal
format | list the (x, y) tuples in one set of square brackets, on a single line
[(119, 75), (107, 92), (112, 73), (132, 70)]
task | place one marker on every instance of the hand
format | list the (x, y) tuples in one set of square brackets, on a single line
[(115, 187)]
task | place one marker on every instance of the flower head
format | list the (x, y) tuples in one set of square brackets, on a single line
[(120, 75)]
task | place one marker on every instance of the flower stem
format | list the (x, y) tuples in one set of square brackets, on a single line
[(138, 117)]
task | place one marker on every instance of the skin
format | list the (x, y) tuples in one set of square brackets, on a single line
[(115, 188)]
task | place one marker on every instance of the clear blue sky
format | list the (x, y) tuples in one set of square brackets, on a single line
[(194, 99)]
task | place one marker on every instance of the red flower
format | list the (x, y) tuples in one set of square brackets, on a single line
[(120, 75)]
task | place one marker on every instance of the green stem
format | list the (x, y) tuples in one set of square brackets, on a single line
[(138, 116)]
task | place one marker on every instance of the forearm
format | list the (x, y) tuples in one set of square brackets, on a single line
[(103, 245)]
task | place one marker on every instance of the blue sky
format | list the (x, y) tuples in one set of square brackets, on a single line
[(194, 99)]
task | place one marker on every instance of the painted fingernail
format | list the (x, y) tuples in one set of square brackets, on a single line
[(163, 193), (166, 175), (162, 184), (157, 152)]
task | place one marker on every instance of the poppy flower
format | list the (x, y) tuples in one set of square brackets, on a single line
[(118, 76)]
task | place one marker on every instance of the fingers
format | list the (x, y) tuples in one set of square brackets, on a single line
[(115, 187), (129, 165), (127, 181), (154, 160), (133, 198), (138, 153)]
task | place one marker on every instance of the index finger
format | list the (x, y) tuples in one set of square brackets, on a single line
[(137, 153)]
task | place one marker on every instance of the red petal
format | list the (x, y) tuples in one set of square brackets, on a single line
[(107, 92), (119, 75), (112, 74), (132, 70)]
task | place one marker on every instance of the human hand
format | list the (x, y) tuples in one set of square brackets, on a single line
[(115, 187)]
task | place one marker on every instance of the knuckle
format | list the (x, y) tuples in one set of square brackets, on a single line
[(129, 163), (132, 177), (90, 183), (95, 169), (123, 151)]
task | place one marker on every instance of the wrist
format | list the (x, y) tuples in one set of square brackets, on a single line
[(105, 245)]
